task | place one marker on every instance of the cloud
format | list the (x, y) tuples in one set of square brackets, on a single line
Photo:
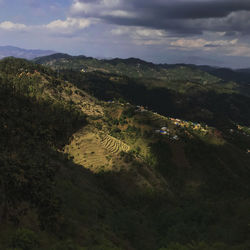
[(152, 37), (189, 17), (7, 25), (69, 25), (138, 32), (151, 29), (98, 9), (202, 43), (242, 50), (141, 36)]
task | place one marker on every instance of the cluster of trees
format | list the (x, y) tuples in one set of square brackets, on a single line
[(201, 103), (31, 132)]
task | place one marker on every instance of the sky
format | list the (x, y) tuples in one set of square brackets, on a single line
[(214, 32)]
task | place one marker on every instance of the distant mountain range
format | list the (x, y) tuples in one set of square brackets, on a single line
[(59, 60), (134, 67), (6, 51)]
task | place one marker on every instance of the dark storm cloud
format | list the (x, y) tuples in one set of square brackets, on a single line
[(179, 16), (187, 9), (174, 26)]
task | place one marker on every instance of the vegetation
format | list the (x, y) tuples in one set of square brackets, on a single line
[(81, 173), (177, 91)]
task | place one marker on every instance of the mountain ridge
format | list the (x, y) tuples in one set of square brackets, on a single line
[(134, 59), (137, 68)]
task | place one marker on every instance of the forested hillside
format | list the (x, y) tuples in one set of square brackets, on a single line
[(84, 164), (187, 91)]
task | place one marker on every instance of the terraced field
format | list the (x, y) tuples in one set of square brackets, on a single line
[(114, 145), (95, 151), (86, 150)]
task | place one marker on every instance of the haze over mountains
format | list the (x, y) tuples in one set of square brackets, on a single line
[(232, 62), (7, 51)]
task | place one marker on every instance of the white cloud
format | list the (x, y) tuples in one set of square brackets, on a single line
[(160, 38), (241, 50), (79, 7), (70, 24), (99, 9), (138, 31), (7, 25), (142, 36), (201, 43), (67, 26)]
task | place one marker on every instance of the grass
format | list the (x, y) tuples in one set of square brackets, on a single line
[(87, 150), (94, 150)]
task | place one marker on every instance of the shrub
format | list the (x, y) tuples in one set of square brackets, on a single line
[(24, 239)]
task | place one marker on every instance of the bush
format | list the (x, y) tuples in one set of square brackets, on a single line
[(130, 112), (199, 246), (24, 239), (98, 125), (67, 245)]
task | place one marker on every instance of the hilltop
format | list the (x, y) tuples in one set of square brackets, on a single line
[(85, 170)]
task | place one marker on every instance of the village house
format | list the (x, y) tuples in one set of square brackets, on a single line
[(175, 137), (239, 127), (163, 131), (141, 109), (164, 128)]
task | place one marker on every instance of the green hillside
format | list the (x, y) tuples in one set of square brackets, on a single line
[(215, 105), (179, 77), (82, 167), (185, 91), (134, 67), (131, 67)]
